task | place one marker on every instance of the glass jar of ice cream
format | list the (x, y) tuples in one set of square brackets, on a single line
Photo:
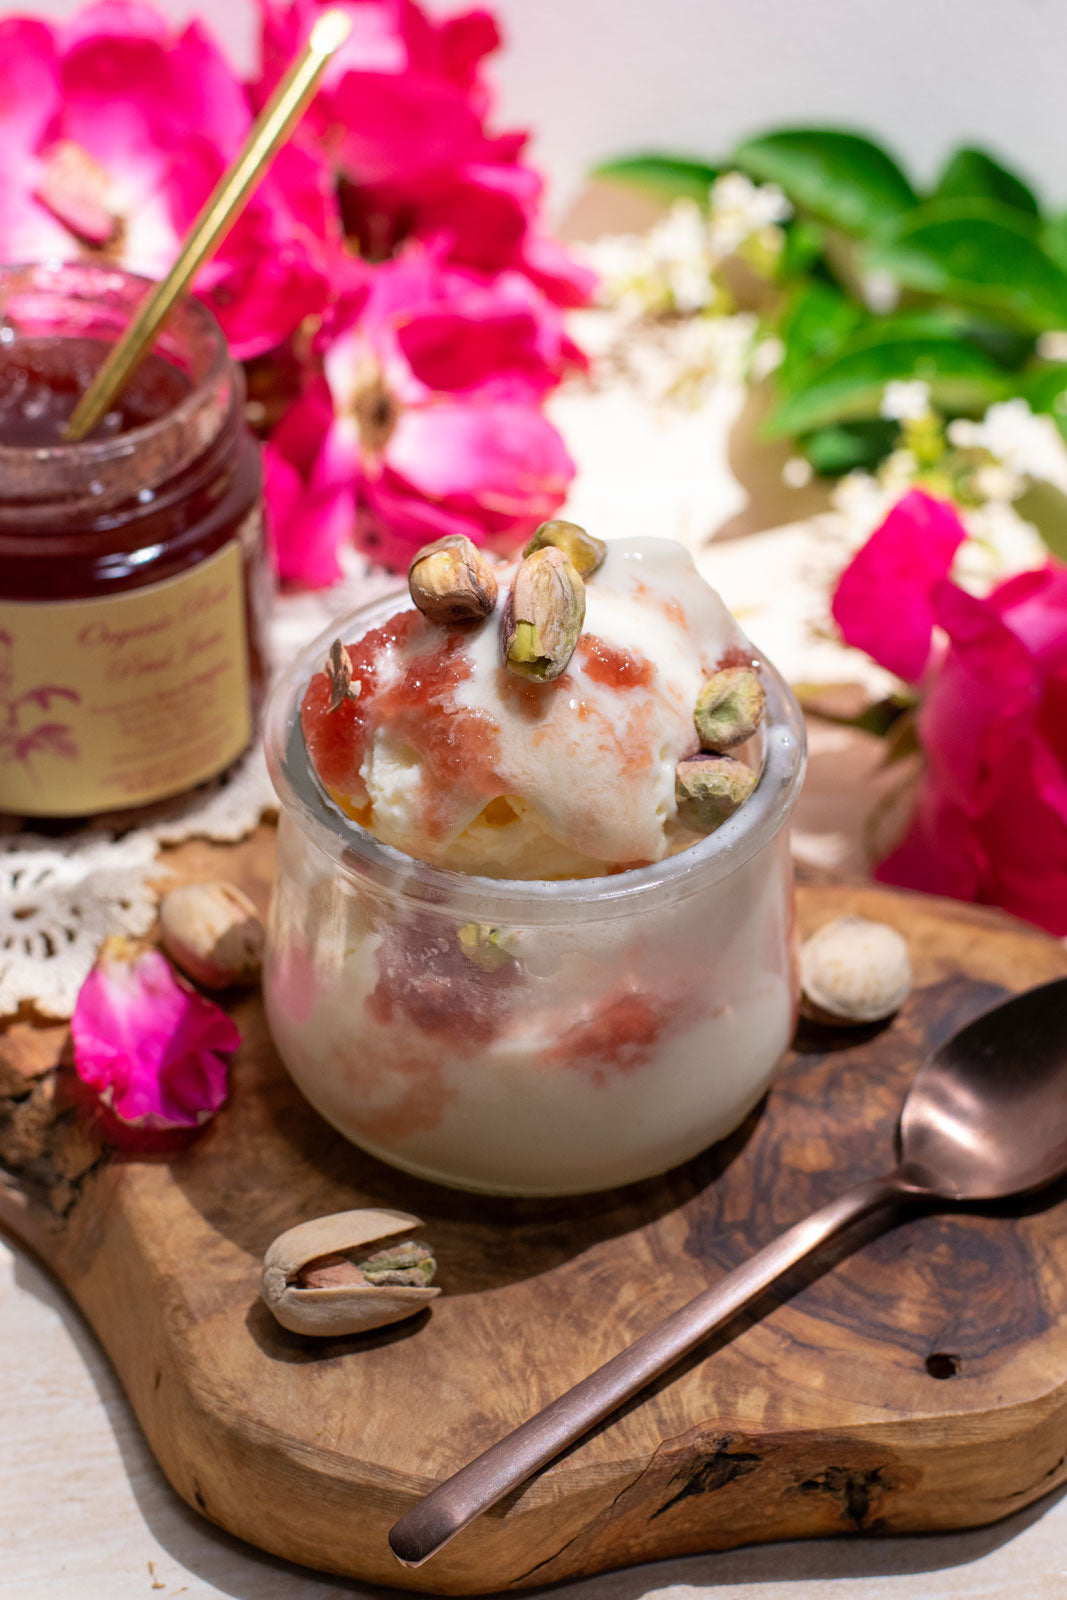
[(495, 958)]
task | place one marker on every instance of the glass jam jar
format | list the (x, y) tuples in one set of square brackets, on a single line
[(134, 586), (635, 1019)]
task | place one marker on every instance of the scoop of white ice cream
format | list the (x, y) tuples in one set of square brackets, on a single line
[(469, 767)]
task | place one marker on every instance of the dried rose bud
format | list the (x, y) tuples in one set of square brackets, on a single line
[(212, 932), (584, 553), (729, 708), (451, 581), (543, 616), (853, 971), (709, 788), (338, 670)]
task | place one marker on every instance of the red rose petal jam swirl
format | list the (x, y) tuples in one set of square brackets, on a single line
[(615, 668), (458, 745)]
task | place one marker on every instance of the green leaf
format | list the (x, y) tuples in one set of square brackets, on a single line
[(1054, 239), (850, 386), (980, 254), (673, 177), (842, 447), (804, 244), (972, 174), (816, 323), (839, 177), (1045, 390), (1045, 507)]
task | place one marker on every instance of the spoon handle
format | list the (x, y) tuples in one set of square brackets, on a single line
[(430, 1524)]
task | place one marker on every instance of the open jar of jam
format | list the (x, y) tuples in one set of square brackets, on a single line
[(134, 587)]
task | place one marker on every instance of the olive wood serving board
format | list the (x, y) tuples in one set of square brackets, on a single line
[(916, 1382)]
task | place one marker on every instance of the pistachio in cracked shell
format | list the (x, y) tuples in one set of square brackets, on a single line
[(484, 946), (584, 553), (853, 971), (451, 581), (543, 616), (340, 1275), (710, 788), (729, 708)]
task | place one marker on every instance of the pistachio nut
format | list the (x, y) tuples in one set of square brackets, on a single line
[(584, 553), (729, 708), (854, 971), (321, 1278), (212, 932), (543, 616), (338, 670), (483, 945), (709, 788), (451, 581)]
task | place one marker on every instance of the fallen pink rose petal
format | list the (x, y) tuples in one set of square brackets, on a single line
[(147, 1043)]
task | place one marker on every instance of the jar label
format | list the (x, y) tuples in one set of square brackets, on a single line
[(108, 703)]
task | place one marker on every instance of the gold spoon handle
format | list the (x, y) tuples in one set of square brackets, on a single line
[(449, 1508), (217, 216)]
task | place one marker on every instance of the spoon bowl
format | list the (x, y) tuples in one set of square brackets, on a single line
[(985, 1118)]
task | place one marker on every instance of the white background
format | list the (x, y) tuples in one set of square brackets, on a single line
[(596, 77)]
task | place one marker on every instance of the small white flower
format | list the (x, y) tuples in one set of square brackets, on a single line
[(898, 471), (741, 209), (880, 291), (1026, 445), (767, 358), (666, 269), (711, 349), (1001, 544), (905, 400), (965, 434), (995, 482), (797, 473), (1052, 346)]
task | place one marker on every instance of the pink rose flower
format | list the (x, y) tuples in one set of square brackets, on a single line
[(990, 819), (883, 603), (147, 1043), (115, 128), (402, 108), (426, 420)]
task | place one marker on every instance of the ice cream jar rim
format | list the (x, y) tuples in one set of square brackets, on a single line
[(380, 867)]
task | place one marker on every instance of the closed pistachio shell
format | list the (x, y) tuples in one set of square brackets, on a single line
[(583, 551), (853, 971), (729, 708), (335, 1298), (709, 788), (451, 581)]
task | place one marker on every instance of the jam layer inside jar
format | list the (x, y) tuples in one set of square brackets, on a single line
[(42, 379)]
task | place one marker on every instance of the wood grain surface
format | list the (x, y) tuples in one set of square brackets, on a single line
[(915, 1380)]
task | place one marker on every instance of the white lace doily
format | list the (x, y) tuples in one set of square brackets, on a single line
[(59, 900)]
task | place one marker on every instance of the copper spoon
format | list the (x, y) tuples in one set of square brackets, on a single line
[(985, 1118)]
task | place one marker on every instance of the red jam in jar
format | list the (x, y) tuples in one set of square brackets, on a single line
[(134, 586)]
